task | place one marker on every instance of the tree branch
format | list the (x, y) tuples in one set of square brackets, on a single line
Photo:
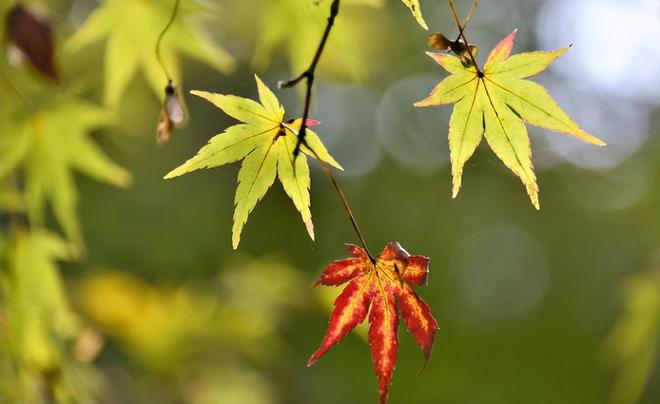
[(461, 30), (308, 75)]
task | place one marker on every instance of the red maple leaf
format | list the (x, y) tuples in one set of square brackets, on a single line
[(377, 289)]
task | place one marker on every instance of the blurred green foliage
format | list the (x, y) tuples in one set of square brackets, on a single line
[(526, 301)]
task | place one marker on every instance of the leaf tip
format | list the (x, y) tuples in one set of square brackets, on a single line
[(309, 225), (235, 241), (313, 359), (456, 187)]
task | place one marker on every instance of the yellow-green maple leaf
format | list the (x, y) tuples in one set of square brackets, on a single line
[(416, 11), (493, 103), (48, 146), (132, 28), (265, 142), (38, 323)]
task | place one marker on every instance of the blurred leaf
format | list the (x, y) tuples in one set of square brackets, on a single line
[(266, 143), (632, 344), (494, 103), (378, 288), (132, 28), (152, 321), (166, 327), (48, 146), (298, 28), (39, 322), (11, 200)]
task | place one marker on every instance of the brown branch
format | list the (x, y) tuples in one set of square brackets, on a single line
[(461, 31), (308, 75), (342, 196), (175, 11)]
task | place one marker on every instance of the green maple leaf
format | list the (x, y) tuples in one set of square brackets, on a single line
[(132, 28), (297, 27), (265, 142), (494, 102), (48, 146), (38, 323)]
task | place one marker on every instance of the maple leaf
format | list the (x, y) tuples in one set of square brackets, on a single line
[(48, 146), (132, 27), (265, 142), (494, 103), (37, 308), (377, 289), (416, 11)]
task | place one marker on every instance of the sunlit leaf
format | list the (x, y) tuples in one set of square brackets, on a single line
[(416, 11), (265, 142), (48, 146), (38, 322), (381, 290), (495, 104), (132, 27)]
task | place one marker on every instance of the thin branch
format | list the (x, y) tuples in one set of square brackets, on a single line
[(175, 11), (308, 75), (340, 192), (348, 209), (461, 31), (468, 16)]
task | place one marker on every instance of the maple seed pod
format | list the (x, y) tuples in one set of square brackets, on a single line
[(465, 57), (33, 36), (171, 113), (439, 41)]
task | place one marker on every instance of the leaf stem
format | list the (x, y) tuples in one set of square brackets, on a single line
[(461, 31), (342, 196), (175, 11), (308, 75), (348, 210)]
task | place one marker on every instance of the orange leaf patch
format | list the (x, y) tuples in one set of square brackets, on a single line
[(381, 290)]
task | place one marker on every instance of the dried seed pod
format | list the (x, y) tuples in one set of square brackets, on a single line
[(171, 113), (441, 42), (465, 57), (33, 36)]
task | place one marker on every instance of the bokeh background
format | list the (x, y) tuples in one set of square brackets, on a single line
[(556, 306)]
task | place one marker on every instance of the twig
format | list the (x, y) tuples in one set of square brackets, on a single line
[(348, 209), (461, 31), (468, 16), (308, 75), (175, 10), (340, 192)]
